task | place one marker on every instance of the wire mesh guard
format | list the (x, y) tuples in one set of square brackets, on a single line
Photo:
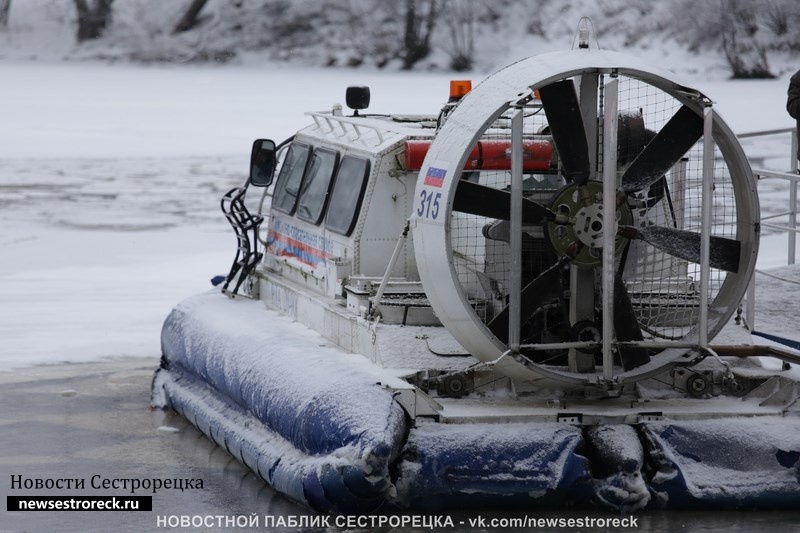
[(657, 262)]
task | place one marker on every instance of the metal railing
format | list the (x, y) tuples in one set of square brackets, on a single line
[(790, 226), (348, 127)]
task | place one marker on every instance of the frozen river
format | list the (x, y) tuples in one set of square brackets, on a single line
[(82, 420)]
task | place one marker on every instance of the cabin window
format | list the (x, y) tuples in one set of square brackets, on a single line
[(347, 194), (290, 178), (316, 185)]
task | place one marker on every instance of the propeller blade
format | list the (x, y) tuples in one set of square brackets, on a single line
[(495, 203), (686, 245), (560, 103), (534, 296), (626, 327), (679, 134)]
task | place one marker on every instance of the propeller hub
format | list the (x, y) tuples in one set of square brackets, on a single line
[(589, 225), (582, 207)]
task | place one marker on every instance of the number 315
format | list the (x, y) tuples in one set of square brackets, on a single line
[(429, 204)]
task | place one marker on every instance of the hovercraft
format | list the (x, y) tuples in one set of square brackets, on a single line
[(525, 300)]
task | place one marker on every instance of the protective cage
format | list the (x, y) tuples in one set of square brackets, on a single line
[(578, 320)]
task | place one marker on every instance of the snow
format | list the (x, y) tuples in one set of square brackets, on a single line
[(744, 467), (536, 458), (238, 365), (260, 447), (95, 110), (110, 178)]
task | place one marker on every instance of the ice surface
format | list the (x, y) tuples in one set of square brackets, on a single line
[(101, 111)]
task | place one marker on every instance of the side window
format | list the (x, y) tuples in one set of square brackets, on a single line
[(290, 178), (347, 194), (316, 185)]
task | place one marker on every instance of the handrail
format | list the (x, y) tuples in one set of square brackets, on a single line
[(765, 173), (764, 132), (793, 178), (354, 123)]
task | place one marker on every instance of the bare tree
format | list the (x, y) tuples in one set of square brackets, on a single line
[(5, 6), (418, 31), (741, 42), (93, 18), (191, 17), (461, 21)]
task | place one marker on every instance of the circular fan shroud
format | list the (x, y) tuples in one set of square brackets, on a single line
[(449, 152)]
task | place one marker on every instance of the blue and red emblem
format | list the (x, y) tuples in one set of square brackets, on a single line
[(435, 176)]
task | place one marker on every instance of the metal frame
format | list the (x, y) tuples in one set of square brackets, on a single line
[(705, 223), (609, 220), (450, 150), (791, 226), (515, 285)]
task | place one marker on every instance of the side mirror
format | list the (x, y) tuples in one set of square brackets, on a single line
[(262, 162)]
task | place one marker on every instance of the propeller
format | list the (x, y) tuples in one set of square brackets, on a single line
[(534, 295), (652, 161), (560, 103), (669, 145), (686, 245), (627, 328), (489, 202)]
